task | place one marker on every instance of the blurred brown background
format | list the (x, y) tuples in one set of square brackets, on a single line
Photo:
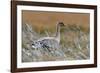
[(42, 19)]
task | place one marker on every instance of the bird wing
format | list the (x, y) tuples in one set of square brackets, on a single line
[(49, 43)]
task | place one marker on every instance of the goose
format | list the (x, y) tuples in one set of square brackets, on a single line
[(49, 42)]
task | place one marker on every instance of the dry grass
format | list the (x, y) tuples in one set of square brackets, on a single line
[(74, 43)]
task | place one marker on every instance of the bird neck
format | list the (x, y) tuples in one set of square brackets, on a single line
[(58, 33)]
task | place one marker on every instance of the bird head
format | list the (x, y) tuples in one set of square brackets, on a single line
[(61, 24)]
